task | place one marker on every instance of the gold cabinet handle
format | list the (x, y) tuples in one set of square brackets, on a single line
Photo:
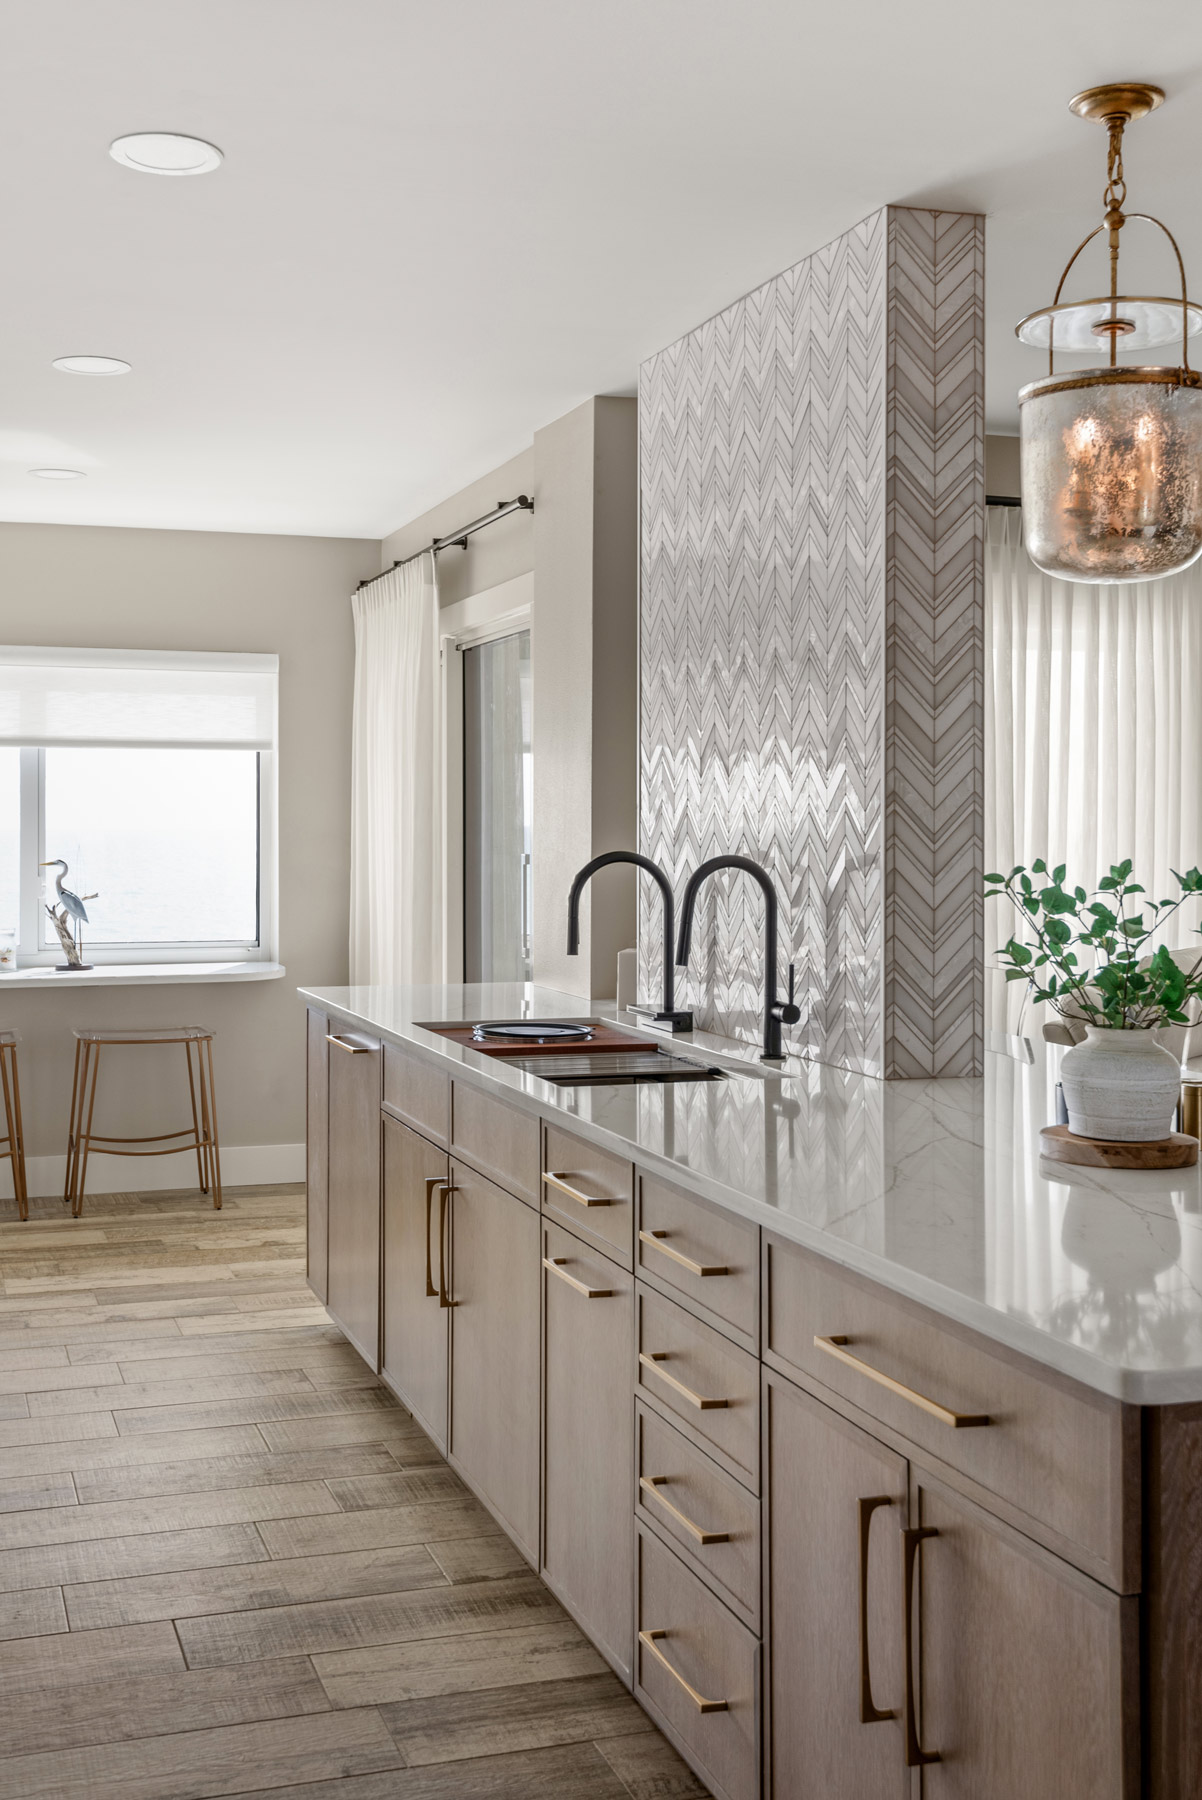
[(353, 1049), (834, 1346), (656, 1241), (651, 1360), (869, 1714), (432, 1181), (553, 1263), (445, 1190), (650, 1485), (647, 1639), (912, 1537), (574, 1193)]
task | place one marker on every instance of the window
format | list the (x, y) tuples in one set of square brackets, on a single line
[(152, 775)]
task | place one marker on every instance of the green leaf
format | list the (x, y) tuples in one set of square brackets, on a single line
[(1081, 895), (1039, 867), (1017, 952), (1058, 873), (1000, 878), (1059, 931)]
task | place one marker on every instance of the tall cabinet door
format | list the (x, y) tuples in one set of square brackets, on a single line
[(494, 1425), (836, 1507), (415, 1334), (356, 1074), (317, 1151), (588, 1439), (1029, 1681)]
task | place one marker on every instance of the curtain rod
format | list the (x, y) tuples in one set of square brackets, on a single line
[(523, 503)]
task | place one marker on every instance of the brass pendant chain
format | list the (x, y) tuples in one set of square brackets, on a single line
[(1113, 200)]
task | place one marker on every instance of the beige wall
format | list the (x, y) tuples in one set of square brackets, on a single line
[(160, 590), (506, 549), (1002, 467)]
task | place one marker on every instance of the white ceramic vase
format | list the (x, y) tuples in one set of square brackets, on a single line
[(1120, 1085)]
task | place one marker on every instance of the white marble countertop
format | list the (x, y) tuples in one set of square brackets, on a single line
[(936, 1189)]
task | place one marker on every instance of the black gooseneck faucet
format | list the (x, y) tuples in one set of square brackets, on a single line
[(776, 1012), (669, 1015)]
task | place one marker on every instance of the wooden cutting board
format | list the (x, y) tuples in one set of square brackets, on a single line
[(605, 1037), (1059, 1144)]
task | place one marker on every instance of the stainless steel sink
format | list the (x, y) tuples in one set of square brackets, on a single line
[(615, 1068)]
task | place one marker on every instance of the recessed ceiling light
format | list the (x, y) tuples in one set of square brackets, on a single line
[(165, 153), (58, 474), (92, 365)]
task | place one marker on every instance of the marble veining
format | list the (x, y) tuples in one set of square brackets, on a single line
[(933, 1187)]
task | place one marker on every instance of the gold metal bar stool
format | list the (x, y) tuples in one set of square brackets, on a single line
[(201, 1136), (12, 1144)]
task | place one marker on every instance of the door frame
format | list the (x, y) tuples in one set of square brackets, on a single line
[(495, 612)]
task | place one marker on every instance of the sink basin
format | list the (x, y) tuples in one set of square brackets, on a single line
[(614, 1068)]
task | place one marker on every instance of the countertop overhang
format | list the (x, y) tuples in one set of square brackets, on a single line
[(934, 1188)]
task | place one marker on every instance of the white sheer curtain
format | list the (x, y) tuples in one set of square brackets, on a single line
[(396, 781), (1093, 726)]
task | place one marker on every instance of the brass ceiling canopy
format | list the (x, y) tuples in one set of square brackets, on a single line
[(1112, 457)]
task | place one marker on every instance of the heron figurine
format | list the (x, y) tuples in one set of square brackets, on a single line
[(67, 922)]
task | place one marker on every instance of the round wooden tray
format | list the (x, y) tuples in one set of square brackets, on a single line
[(1174, 1152)]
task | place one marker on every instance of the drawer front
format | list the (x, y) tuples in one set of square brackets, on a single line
[(706, 1383), (696, 1669), (711, 1520), (1053, 1451), (590, 1191), (497, 1139), (708, 1258), (418, 1093)]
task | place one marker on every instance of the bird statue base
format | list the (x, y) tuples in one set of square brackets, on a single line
[(74, 965)]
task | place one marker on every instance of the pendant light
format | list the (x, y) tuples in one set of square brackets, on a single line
[(1112, 457)]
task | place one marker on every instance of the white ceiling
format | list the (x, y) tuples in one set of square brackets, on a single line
[(440, 225)]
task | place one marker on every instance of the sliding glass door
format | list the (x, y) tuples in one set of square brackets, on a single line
[(497, 809)]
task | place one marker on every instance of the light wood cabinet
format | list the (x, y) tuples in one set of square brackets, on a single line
[(317, 1152), (836, 1502), (1029, 1678), (415, 1321), (353, 1289), (495, 1285)]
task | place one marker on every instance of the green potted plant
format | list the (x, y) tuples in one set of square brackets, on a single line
[(1089, 956)]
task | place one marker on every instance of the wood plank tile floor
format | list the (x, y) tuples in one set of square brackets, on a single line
[(230, 1562)]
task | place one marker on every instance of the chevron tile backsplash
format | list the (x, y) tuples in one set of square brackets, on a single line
[(812, 474)]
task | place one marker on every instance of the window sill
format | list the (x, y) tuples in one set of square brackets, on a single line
[(142, 975)]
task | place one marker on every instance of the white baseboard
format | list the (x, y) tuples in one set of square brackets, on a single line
[(242, 1165)]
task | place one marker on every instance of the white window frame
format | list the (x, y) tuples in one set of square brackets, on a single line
[(31, 954), (496, 612)]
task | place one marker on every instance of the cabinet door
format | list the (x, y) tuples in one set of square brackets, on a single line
[(414, 1329), (317, 1145), (836, 1505), (588, 1441), (1029, 1682), (495, 1283), (356, 1065)]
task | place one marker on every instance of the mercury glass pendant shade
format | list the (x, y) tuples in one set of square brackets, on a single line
[(1112, 473)]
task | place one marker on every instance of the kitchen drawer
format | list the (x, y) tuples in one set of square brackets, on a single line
[(418, 1093), (712, 1388), (710, 1519), (497, 1139), (697, 1672), (704, 1255), (1053, 1451), (590, 1191)]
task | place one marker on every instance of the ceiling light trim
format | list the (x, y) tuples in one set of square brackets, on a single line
[(166, 153), (85, 363)]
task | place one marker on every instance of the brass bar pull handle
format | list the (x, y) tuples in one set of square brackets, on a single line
[(432, 1181), (445, 1190), (553, 1264), (651, 1360), (869, 1714), (835, 1346), (656, 1241), (650, 1485), (574, 1193), (647, 1639), (912, 1537), (353, 1049)]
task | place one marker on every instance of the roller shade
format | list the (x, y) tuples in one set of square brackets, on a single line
[(180, 700)]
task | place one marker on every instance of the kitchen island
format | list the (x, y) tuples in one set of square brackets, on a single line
[(864, 1445)]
